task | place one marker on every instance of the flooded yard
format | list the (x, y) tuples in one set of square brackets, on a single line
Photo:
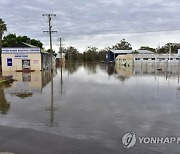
[(97, 103)]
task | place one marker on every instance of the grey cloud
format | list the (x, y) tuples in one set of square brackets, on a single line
[(78, 19)]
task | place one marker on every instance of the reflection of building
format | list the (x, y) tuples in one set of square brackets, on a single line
[(125, 60), (25, 57), (28, 83), (122, 71), (110, 69), (59, 59)]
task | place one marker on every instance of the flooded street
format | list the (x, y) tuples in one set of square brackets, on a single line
[(97, 103)]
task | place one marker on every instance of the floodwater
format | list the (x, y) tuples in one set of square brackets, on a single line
[(97, 103)]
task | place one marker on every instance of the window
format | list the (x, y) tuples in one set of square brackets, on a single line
[(152, 58), (9, 61), (137, 58), (177, 58), (170, 58), (145, 58)]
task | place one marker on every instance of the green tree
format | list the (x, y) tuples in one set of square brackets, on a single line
[(91, 54), (147, 48), (165, 48), (3, 28), (11, 40), (123, 45), (102, 54), (37, 43), (53, 52), (72, 54)]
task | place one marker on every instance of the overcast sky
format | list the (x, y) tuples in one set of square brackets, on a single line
[(98, 23)]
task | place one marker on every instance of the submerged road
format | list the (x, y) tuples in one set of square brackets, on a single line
[(28, 141)]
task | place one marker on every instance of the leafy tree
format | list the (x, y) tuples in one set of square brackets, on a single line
[(165, 48), (11, 40), (53, 52), (102, 54), (91, 54), (147, 48), (37, 43), (123, 45), (3, 28), (72, 54)]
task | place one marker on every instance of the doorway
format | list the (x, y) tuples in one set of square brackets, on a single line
[(26, 64)]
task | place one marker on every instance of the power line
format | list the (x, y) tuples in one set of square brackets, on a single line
[(106, 32)]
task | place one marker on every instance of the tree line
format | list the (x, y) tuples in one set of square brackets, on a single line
[(91, 54)]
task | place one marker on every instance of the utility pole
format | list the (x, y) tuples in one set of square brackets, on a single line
[(61, 62), (61, 49), (169, 59), (50, 34)]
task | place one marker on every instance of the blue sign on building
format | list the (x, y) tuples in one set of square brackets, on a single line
[(9, 61)]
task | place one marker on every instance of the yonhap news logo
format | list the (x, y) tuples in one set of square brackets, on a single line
[(130, 139)]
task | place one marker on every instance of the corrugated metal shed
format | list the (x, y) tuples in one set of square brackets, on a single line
[(121, 51)]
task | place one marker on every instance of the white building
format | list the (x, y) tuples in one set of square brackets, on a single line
[(146, 57)]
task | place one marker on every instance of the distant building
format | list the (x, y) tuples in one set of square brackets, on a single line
[(130, 57), (25, 57), (112, 54), (60, 59)]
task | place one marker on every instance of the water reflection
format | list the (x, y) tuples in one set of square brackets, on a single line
[(27, 84), (71, 68), (110, 69), (123, 73), (52, 109), (4, 104), (96, 106), (91, 68)]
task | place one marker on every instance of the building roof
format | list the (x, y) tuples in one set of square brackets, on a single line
[(23, 45), (155, 55), (131, 51), (32, 46), (145, 52), (121, 51), (29, 45), (43, 51)]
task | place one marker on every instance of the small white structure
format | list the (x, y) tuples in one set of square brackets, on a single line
[(131, 57), (25, 57)]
